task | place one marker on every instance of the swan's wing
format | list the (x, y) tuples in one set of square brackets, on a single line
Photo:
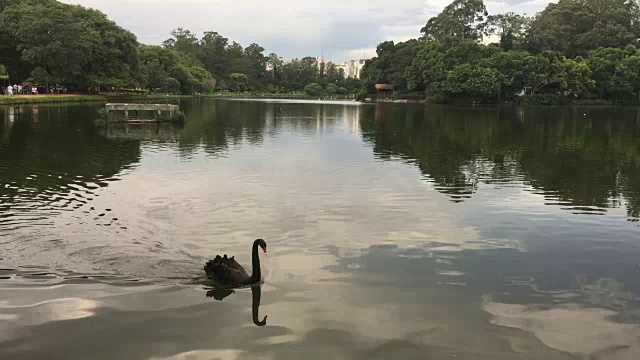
[(226, 271), (232, 263)]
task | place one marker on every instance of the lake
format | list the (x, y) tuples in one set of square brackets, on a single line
[(394, 231)]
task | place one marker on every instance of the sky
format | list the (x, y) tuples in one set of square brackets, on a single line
[(341, 29)]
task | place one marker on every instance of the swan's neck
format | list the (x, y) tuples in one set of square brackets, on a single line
[(256, 275), (256, 292)]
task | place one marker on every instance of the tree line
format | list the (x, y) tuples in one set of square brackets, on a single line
[(573, 49), (48, 42)]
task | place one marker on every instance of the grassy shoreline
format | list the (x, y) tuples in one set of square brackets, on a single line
[(278, 96), (48, 99)]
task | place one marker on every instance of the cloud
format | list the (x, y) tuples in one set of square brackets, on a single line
[(289, 28)]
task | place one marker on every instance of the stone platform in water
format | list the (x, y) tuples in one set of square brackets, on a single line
[(142, 113)]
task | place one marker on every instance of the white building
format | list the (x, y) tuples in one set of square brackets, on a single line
[(353, 68), (320, 62)]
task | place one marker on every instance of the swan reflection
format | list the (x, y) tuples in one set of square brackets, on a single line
[(256, 292)]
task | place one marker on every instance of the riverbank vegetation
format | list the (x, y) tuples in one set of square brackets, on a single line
[(574, 49), (46, 42), (33, 99)]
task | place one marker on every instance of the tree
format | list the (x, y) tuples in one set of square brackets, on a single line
[(183, 41), (608, 71), (256, 66), (512, 29), (214, 54), (40, 76), (238, 82), (574, 27), (544, 72), (160, 63), (156, 74), (170, 85), (390, 66), (314, 89), (77, 46), (578, 77), (478, 83), (209, 85), (331, 89), (462, 19), (332, 73)]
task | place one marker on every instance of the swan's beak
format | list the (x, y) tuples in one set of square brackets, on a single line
[(265, 251)]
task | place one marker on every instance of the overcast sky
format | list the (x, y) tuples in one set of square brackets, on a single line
[(345, 29)]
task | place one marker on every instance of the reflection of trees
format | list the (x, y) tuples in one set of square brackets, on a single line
[(216, 125), (55, 147), (588, 157)]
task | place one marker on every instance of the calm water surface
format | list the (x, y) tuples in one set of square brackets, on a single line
[(394, 231)]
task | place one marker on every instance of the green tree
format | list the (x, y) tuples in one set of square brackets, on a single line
[(510, 66), (545, 72), (578, 77), (256, 66), (314, 89), (390, 65), (331, 89), (574, 27), (214, 54), (79, 47), (160, 63), (477, 83), (40, 76), (608, 73), (238, 82), (170, 85), (512, 29), (462, 19), (183, 41)]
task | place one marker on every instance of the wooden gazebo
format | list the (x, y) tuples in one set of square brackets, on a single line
[(384, 91)]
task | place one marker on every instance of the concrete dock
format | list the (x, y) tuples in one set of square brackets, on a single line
[(141, 113)]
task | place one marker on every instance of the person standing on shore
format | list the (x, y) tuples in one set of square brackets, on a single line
[(9, 90)]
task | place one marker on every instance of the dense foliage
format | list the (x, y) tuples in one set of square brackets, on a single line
[(574, 49), (47, 42), (65, 44)]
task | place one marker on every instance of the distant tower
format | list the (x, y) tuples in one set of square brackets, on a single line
[(320, 61)]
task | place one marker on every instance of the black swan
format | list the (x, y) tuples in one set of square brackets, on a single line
[(228, 273)]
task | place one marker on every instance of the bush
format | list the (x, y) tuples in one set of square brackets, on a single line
[(342, 91), (208, 85), (313, 89), (331, 89), (170, 85), (362, 95), (543, 99)]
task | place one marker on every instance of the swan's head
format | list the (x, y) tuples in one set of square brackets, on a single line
[(262, 244)]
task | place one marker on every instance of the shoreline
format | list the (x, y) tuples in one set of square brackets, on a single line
[(48, 99), (105, 97)]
